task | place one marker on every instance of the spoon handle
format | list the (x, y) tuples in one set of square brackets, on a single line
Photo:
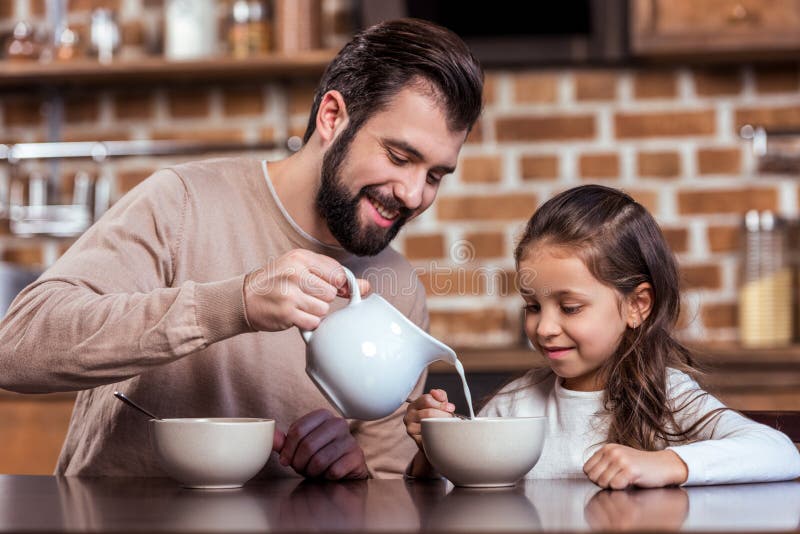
[(132, 404)]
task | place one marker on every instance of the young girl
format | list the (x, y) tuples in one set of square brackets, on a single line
[(600, 286)]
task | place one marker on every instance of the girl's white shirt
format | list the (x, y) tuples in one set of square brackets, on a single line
[(730, 449)]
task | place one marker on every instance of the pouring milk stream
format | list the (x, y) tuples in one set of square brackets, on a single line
[(367, 357)]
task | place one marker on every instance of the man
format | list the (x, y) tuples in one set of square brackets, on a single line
[(186, 294)]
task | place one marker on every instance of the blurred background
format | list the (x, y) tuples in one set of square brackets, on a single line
[(691, 106)]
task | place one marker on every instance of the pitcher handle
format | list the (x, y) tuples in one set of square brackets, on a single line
[(355, 292), (355, 298)]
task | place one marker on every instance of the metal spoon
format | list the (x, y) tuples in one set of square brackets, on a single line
[(132, 404), (454, 414)]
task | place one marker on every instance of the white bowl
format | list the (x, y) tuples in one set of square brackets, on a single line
[(483, 509), (212, 453), (483, 452)]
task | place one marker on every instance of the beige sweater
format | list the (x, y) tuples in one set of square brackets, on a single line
[(149, 301)]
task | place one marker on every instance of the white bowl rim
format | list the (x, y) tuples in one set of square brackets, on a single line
[(485, 419), (447, 420), (213, 420)]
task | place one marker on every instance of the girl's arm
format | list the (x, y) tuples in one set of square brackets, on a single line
[(433, 404), (420, 467), (731, 448)]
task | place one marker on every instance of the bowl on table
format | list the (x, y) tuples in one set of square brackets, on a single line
[(212, 453), (484, 510), (485, 451)]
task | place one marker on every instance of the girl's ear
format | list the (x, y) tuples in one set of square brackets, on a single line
[(640, 304), (331, 116)]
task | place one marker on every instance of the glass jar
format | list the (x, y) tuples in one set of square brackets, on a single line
[(190, 29), (249, 28), (238, 30), (104, 34), (67, 45), (259, 28), (297, 25), (765, 292), (22, 44)]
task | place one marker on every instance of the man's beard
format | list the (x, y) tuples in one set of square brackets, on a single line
[(340, 210)]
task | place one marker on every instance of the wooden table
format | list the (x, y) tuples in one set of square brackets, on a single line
[(64, 504)]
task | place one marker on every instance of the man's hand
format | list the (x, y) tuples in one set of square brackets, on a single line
[(618, 467), (315, 506), (319, 445), (294, 290)]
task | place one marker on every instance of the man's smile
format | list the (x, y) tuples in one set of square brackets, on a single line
[(382, 216), (386, 213)]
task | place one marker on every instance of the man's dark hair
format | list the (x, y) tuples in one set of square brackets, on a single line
[(384, 59)]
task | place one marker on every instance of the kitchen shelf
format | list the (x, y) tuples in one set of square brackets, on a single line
[(516, 359), (747, 379), (157, 69), (13, 241)]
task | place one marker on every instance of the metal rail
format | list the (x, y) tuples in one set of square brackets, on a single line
[(103, 150)]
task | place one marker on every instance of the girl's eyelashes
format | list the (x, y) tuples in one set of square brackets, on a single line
[(566, 310)]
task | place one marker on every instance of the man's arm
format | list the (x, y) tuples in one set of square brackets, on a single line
[(105, 311)]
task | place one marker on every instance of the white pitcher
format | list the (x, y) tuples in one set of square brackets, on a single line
[(367, 357)]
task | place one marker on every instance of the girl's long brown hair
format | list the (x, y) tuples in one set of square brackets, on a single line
[(622, 246)]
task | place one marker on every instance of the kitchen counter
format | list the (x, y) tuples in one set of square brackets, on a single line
[(68, 504)]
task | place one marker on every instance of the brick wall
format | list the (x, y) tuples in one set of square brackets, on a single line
[(669, 136)]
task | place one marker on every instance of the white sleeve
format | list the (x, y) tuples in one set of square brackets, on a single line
[(730, 448)]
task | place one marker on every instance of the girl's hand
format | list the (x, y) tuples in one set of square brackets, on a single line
[(657, 509), (433, 404), (618, 467)]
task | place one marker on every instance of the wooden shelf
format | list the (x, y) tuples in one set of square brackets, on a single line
[(157, 69), (514, 359), (741, 30), (19, 241), (747, 379)]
